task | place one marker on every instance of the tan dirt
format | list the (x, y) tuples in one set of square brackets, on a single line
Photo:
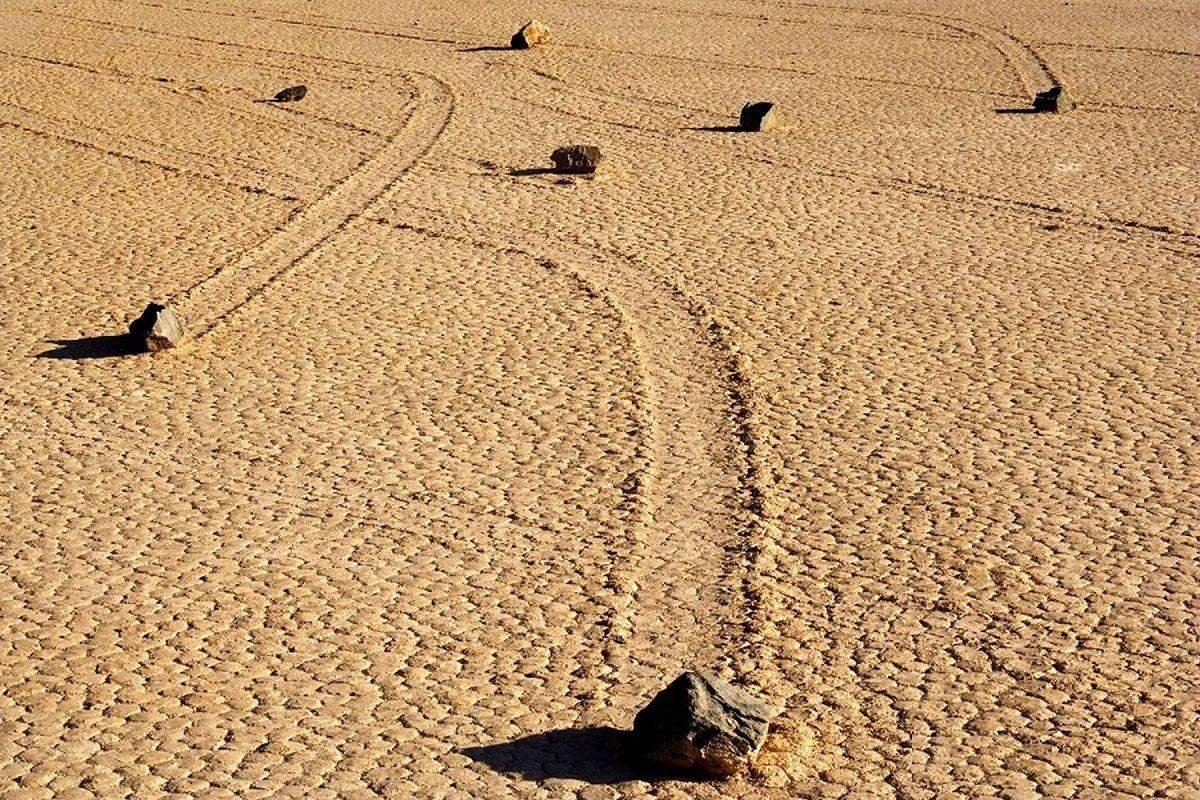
[(892, 415)]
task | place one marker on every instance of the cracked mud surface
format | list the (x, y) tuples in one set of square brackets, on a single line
[(892, 415)]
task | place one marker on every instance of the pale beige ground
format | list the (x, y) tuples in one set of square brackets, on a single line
[(893, 415)]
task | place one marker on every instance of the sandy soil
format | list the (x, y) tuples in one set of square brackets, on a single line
[(892, 415)]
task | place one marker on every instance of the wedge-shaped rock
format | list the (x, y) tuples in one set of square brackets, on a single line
[(703, 725), (531, 34), (760, 117), (1053, 101), (158, 328), (291, 94), (577, 159)]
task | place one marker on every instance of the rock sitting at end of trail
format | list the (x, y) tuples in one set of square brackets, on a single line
[(577, 159), (532, 33), (1052, 101), (291, 94), (703, 725), (759, 117), (158, 328)]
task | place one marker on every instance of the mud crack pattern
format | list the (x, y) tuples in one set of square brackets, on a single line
[(892, 415)]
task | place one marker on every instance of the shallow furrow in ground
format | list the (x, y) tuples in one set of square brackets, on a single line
[(693, 570), (217, 298)]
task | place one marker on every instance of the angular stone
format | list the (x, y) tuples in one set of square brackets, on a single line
[(577, 159), (290, 94), (158, 328), (531, 34), (760, 117), (1052, 101), (703, 725)]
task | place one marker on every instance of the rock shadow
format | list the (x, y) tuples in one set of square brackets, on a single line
[(89, 347), (485, 48), (591, 755), (531, 171), (718, 129)]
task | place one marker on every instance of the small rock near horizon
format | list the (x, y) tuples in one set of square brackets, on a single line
[(291, 94), (703, 725), (531, 34), (577, 159), (158, 328), (1053, 101)]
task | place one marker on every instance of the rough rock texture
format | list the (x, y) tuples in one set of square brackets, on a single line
[(759, 117), (702, 724), (1053, 100), (158, 328), (531, 34), (577, 159), (291, 94)]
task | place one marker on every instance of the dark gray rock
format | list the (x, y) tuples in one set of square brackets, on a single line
[(703, 725), (531, 34), (577, 159), (1052, 101), (290, 94), (158, 328), (759, 117)]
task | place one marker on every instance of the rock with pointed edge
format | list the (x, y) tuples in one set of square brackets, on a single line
[(702, 725), (531, 34), (158, 328), (1052, 101), (759, 117), (577, 159)]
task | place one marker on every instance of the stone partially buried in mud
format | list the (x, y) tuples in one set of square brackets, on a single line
[(158, 328), (577, 159), (1053, 101), (759, 117), (702, 725), (531, 34)]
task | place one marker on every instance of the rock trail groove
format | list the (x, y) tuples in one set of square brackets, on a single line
[(219, 296)]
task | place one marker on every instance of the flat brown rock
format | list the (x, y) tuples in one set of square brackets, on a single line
[(577, 159), (291, 94)]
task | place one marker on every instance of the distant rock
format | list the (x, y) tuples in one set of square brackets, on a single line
[(531, 34), (703, 725), (760, 117), (1052, 101), (577, 159), (158, 328), (290, 94)]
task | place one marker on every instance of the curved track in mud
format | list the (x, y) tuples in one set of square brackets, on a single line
[(703, 497), (219, 296)]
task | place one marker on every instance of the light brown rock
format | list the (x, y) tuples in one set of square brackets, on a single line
[(531, 34), (158, 328)]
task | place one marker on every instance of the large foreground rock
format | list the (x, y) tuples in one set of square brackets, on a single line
[(291, 94), (702, 724), (531, 34), (577, 159), (1053, 101), (158, 328), (759, 117)]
